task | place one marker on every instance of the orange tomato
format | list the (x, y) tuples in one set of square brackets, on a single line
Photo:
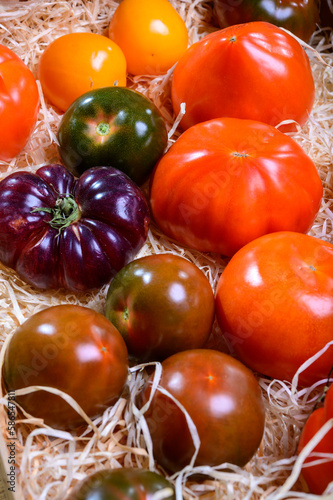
[(274, 304), (151, 34), (78, 62)]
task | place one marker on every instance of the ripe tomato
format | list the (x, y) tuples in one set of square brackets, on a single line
[(115, 127), (223, 399), (319, 476), (254, 70), (228, 181), (62, 347), (326, 13), (78, 62), (161, 304), (298, 16), (57, 231), (19, 104), (123, 484), (151, 34), (274, 304)]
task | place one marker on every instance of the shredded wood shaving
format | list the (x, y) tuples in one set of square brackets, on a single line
[(51, 462)]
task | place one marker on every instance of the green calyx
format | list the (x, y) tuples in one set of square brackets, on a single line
[(65, 212), (103, 128)]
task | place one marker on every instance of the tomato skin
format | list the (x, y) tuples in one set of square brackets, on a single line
[(19, 104), (326, 14), (298, 16), (318, 476), (222, 397), (78, 62), (118, 484), (61, 347), (134, 138), (221, 76), (218, 172), (161, 304), (274, 304), (151, 34), (109, 228)]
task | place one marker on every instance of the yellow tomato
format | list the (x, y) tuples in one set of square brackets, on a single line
[(151, 34), (78, 62)]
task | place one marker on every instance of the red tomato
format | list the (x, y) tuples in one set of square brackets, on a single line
[(274, 304), (19, 104), (78, 62), (319, 476), (161, 304), (227, 181), (298, 16), (73, 349), (255, 71), (223, 399), (151, 34)]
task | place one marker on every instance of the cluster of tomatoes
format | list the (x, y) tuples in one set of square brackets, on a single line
[(233, 183)]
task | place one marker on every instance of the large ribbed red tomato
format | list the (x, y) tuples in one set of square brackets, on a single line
[(228, 181), (274, 303), (254, 70)]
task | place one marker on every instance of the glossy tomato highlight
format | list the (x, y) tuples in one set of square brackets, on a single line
[(274, 304), (254, 71), (19, 104), (228, 181), (78, 62), (224, 401), (151, 34), (70, 348), (161, 304)]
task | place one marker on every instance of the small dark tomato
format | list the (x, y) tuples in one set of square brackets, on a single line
[(112, 126), (298, 16), (224, 401), (70, 348), (326, 13), (161, 304), (121, 484)]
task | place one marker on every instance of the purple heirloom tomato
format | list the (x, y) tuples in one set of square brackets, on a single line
[(58, 231)]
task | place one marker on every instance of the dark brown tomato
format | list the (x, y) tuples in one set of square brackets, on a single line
[(222, 397), (70, 348), (161, 304)]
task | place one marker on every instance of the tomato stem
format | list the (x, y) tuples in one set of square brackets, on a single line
[(103, 128), (65, 212)]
